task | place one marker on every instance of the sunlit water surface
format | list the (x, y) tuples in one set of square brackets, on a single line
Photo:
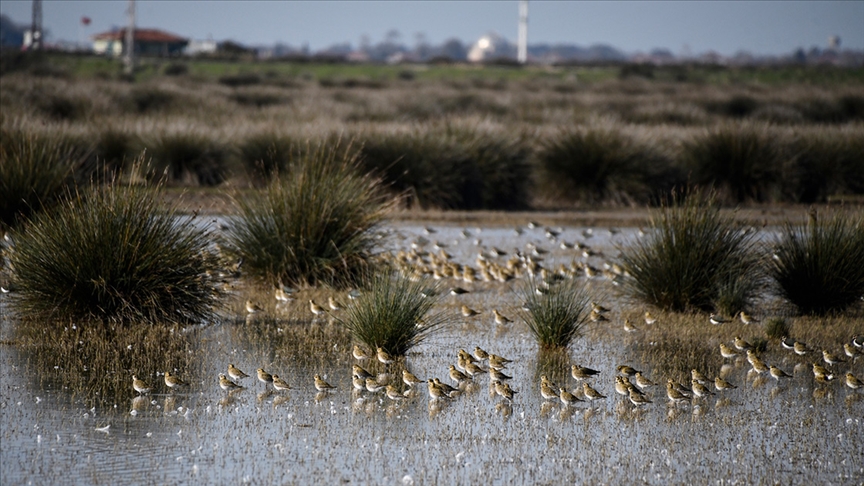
[(795, 432)]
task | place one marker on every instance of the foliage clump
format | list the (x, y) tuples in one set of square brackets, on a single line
[(113, 254)]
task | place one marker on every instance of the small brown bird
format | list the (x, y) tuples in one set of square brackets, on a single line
[(697, 376), (777, 373), (316, 309), (252, 307), (831, 358), (140, 386), (279, 384), (384, 356), (821, 374), (409, 379), (627, 370), (674, 395), (473, 369), (500, 318), (263, 376), (590, 393), (742, 345), (722, 385), (174, 381), (567, 398), (504, 390), (227, 384), (357, 370), (235, 372), (643, 382), (699, 389), (580, 373), (457, 375), (468, 312), (480, 354), (649, 319), (322, 385), (853, 382), (637, 399), (359, 353), (727, 352)]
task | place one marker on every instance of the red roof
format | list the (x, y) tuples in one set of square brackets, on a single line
[(141, 35)]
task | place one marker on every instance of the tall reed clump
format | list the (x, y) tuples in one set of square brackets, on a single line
[(35, 172), (557, 314), (113, 254), (187, 158), (694, 258), (315, 225), (393, 312), (741, 162), (601, 165), (451, 168), (266, 154), (819, 267), (427, 167)]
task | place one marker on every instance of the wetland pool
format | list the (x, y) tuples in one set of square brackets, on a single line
[(66, 421)]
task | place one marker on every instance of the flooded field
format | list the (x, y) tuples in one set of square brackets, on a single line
[(70, 415)]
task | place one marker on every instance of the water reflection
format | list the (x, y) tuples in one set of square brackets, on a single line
[(94, 362)]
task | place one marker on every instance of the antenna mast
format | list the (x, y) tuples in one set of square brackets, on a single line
[(522, 44), (129, 59), (36, 26)]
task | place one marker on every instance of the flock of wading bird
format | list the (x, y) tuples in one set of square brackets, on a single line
[(419, 263)]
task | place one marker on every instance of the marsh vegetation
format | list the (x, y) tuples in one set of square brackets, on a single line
[(105, 282)]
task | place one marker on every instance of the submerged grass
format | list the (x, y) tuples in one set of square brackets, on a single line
[(314, 226), (94, 362), (819, 267), (113, 254), (393, 312), (556, 315), (693, 259)]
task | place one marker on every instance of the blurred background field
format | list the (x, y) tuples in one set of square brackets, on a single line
[(505, 136)]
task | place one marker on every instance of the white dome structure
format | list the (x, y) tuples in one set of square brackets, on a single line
[(488, 47)]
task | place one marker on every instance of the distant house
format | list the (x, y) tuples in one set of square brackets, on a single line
[(148, 42)]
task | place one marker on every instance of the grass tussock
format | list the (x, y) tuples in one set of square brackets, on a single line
[(741, 162), (451, 169), (267, 154), (819, 267), (35, 173), (313, 226), (599, 165), (393, 312), (113, 254), (187, 157), (557, 315), (693, 259)]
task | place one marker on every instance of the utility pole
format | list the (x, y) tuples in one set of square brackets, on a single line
[(522, 44), (36, 27), (129, 59)]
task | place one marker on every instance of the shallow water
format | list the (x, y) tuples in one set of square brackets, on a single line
[(53, 431)]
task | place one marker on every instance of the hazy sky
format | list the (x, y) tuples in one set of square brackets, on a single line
[(761, 27)]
